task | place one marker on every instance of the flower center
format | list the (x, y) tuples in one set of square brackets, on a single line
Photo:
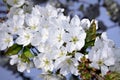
[(7, 40), (27, 37), (59, 37), (74, 39), (15, 29), (15, 1), (46, 62), (100, 62), (33, 27), (61, 53)]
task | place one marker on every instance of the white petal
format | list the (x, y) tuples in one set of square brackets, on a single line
[(70, 47), (75, 21), (109, 61), (95, 65), (21, 66), (104, 36), (3, 47), (59, 62), (85, 24), (14, 59), (64, 70), (15, 3), (78, 56), (74, 70), (104, 70), (37, 62)]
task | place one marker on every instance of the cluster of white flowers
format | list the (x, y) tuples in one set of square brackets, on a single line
[(102, 54), (55, 37)]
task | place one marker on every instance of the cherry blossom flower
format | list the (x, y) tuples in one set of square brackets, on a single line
[(21, 66), (25, 37), (101, 54), (6, 40), (15, 3), (43, 62), (67, 65)]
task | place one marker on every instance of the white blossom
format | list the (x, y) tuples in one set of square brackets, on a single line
[(48, 11), (25, 37), (15, 3), (32, 21), (56, 38), (85, 24), (14, 59), (43, 62), (116, 67), (15, 23), (67, 65), (61, 52), (15, 11), (75, 39), (6, 40), (3, 27), (36, 11), (102, 54), (21, 66)]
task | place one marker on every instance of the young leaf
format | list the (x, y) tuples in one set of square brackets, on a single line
[(90, 38), (26, 55), (24, 58), (91, 35), (13, 49), (27, 52)]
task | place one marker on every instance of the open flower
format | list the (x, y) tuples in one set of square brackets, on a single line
[(16, 3), (43, 62), (43, 36), (67, 65), (6, 40), (56, 38), (32, 22), (15, 23), (101, 54), (25, 37), (75, 39), (21, 66)]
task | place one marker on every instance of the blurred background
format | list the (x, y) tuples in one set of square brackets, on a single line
[(106, 12)]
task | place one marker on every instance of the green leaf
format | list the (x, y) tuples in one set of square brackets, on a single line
[(91, 35), (13, 50), (27, 53), (24, 58)]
